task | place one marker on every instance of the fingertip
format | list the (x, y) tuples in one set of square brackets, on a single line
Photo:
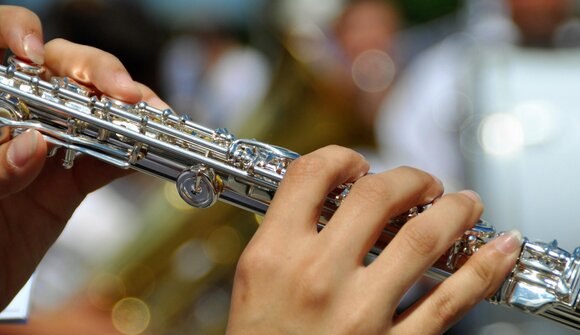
[(151, 98), (21, 32), (21, 160), (33, 48), (157, 102), (25, 148), (508, 243)]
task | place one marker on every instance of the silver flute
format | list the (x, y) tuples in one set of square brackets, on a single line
[(207, 165)]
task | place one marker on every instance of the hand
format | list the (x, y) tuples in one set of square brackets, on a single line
[(38, 196), (293, 280)]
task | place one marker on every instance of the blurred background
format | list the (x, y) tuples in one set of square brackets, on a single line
[(481, 93)]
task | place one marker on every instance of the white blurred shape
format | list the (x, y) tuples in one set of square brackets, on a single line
[(101, 225), (306, 42), (538, 120), (320, 12), (501, 134), (190, 262), (500, 328)]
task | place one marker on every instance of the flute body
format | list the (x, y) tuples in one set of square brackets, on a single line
[(207, 165)]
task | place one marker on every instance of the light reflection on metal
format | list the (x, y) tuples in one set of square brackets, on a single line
[(174, 199)]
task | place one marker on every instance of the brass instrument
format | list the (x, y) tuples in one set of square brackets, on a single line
[(209, 165)]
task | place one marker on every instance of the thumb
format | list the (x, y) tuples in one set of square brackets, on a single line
[(21, 160), (21, 31)]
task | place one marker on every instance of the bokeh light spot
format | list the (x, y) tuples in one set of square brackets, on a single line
[(223, 245), (501, 134), (538, 120), (190, 261), (306, 42), (104, 289), (373, 70), (131, 316)]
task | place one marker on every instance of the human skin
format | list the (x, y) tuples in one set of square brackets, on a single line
[(293, 280), (290, 278), (37, 195)]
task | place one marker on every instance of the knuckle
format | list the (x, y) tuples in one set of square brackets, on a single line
[(374, 189), (246, 273), (482, 272), (371, 182), (407, 170), (421, 240), (463, 203), (463, 206), (334, 147), (313, 289), (314, 280), (108, 59), (414, 173), (252, 260), (446, 309), (306, 166), (104, 60), (55, 42), (251, 269), (332, 160), (419, 176)]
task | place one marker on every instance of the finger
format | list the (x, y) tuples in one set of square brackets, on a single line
[(151, 98), (477, 279), (21, 160), (5, 135), (421, 242), (307, 182), (92, 66), (372, 201), (66, 188), (100, 172), (21, 31)]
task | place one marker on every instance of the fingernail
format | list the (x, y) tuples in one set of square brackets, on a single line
[(507, 243), (471, 194), (33, 48), (22, 148)]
